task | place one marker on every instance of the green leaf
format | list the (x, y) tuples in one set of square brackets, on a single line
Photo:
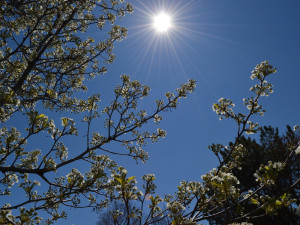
[(130, 179), (217, 185), (64, 121), (254, 201), (278, 203), (119, 180), (40, 116), (267, 168)]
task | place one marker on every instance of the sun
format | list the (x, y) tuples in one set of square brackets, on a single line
[(162, 22)]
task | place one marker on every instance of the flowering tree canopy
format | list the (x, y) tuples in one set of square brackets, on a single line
[(45, 56)]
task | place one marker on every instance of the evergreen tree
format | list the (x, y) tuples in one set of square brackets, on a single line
[(276, 148)]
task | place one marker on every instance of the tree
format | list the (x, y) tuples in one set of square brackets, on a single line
[(276, 148), (117, 214), (220, 196), (45, 56)]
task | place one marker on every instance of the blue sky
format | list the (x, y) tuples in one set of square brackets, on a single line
[(217, 43)]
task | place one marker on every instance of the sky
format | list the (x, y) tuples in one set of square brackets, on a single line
[(217, 43)]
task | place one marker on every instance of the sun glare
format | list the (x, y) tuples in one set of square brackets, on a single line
[(162, 22)]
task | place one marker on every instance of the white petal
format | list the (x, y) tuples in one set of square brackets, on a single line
[(297, 151)]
